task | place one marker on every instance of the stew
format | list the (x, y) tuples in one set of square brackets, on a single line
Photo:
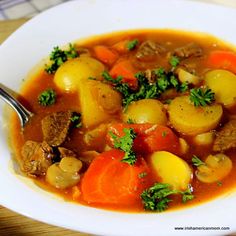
[(132, 121)]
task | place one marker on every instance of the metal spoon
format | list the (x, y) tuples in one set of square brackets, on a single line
[(22, 112)]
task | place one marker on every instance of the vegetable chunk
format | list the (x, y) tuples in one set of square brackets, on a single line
[(98, 102), (150, 138), (72, 74), (108, 180), (191, 120), (146, 111), (215, 168), (223, 60), (223, 83), (172, 169)]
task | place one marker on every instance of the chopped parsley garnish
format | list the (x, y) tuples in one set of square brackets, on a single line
[(132, 44), (142, 175), (187, 195), (183, 87), (196, 161), (156, 198), (47, 97), (59, 56), (146, 89), (130, 121), (76, 120), (167, 101), (201, 96), (108, 77), (174, 82), (219, 183), (163, 134), (125, 144), (174, 61)]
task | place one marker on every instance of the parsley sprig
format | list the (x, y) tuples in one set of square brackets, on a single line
[(163, 81), (125, 144), (197, 162), (76, 120), (131, 45), (47, 97), (59, 56), (201, 96), (156, 198), (174, 61)]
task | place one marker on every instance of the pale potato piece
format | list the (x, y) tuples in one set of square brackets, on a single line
[(93, 107), (185, 76), (172, 169), (205, 138), (146, 111), (72, 74), (191, 120), (184, 147), (215, 169), (223, 84)]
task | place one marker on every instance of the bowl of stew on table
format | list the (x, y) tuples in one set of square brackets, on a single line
[(134, 120)]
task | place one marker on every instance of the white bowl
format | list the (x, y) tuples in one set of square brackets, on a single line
[(79, 19)]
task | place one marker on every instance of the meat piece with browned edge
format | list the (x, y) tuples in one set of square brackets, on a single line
[(149, 49), (189, 50), (226, 137), (56, 126), (36, 158)]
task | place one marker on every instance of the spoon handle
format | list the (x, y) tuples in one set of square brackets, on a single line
[(21, 111)]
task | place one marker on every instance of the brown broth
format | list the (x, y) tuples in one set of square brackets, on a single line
[(70, 101)]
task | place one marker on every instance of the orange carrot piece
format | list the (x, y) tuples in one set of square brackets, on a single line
[(105, 54), (150, 138), (121, 46), (223, 60), (110, 181), (125, 69)]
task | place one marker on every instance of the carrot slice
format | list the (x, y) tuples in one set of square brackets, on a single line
[(150, 138), (126, 70), (223, 60), (110, 181), (105, 54), (121, 46)]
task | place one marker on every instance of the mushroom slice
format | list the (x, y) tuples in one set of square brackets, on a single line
[(64, 174), (216, 168)]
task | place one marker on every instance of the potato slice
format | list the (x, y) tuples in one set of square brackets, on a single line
[(205, 138), (191, 120), (223, 84), (185, 76), (216, 168), (146, 111), (98, 102), (172, 169), (72, 74)]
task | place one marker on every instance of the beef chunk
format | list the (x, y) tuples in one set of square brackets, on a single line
[(226, 137), (188, 50), (148, 50), (55, 127), (36, 158)]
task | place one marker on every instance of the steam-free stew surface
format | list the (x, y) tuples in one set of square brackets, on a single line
[(169, 136)]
